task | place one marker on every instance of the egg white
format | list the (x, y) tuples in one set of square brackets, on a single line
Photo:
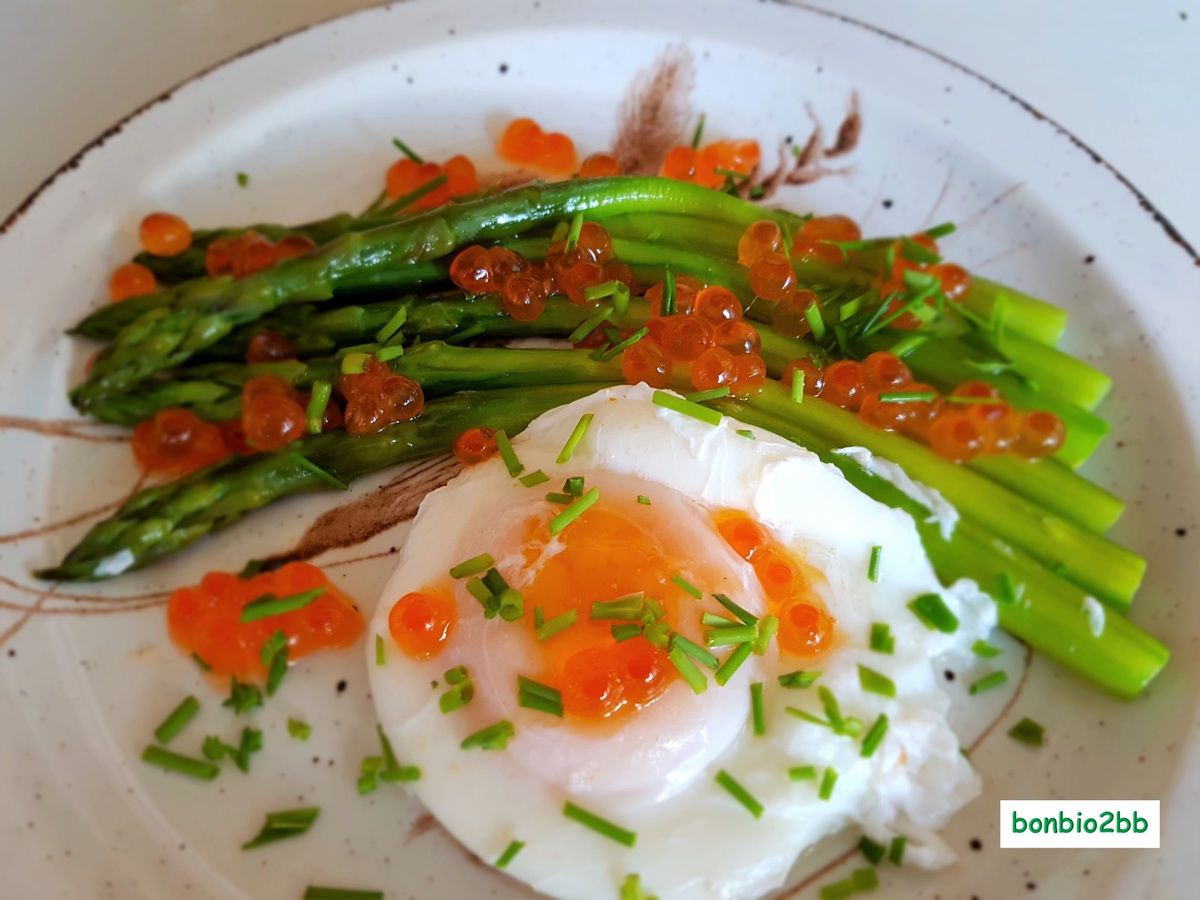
[(655, 775)]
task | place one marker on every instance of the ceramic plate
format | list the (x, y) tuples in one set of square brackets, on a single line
[(897, 137)]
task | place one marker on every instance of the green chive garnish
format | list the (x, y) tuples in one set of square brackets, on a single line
[(1027, 731), (987, 682), (802, 773), (859, 882), (274, 655), (199, 661), (178, 718), (533, 479), (590, 324), (602, 290), (668, 293), (183, 765), (558, 624), (314, 892), (908, 344), (508, 454), (686, 408), (686, 586), (757, 713), (242, 697), (286, 824), (933, 611), (509, 854), (392, 770), (872, 851), (712, 620), (768, 626), (896, 850), (626, 631), (354, 363), (315, 414), (393, 326), (562, 499), (712, 394), (695, 651), (798, 679), (541, 697), (740, 794), (630, 607), (386, 354), (380, 651), (698, 133), (746, 433), (798, 386), (907, 397), (574, 511), (481, 592), (643, 499), (881, 638), (1006, 590), (873, 565), (727, 637), (828, 782), (311, 467), (242, 179), (874, 737), (495, 581), (983, 649), (269, 605), (461, 337), (940, 231), (815, 321), (687, 669), (574, 486), (617, 349), (511, 604), (494, 737), (581, 427), (407, 150), (745, 615), (875, 682), (631, 889), (733, 662), (574, 231), (600, 826), (462, 690), (299, 729)]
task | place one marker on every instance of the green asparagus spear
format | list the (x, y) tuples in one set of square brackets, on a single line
[(162, 520)]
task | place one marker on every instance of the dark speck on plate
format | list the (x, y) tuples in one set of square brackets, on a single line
[(949, 675), (1089, 259), (341, 686), (503, 68), (976, 844), (1179, 532), (887, 204)]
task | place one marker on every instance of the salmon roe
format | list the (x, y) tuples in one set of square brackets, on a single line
[(749, 375), (206, 619), (772, 277), (844, 384), (790, 315), (525, 143), (175, 441), (718, 304), (687, 289), (421, 622), (709, 166), (1041, 435), (251, 252), (269, 346), (814, 375), (759, 239), (956, 437), (378, 397), (272, 415), (130, 280), (714, 368), (407, 175), (830, 228), (737, 336), (600, 165), (684, 338), (475, 445), (164, 234), (646, 362)]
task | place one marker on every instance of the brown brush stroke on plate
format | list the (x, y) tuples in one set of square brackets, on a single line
[(656, 112), (63, 428)]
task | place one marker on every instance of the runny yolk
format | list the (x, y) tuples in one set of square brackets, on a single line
[(421, 622), (805, 626), (606, 555)]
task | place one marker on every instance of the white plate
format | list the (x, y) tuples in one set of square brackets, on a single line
[(310, 118)]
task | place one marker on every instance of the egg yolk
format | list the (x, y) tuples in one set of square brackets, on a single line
[(805, 626), (605, 555), (421, 622)]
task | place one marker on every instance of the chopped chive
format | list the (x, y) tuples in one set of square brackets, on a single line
[(757, 191), (177, 719), (746, 433), (380, 651), (740, 794), (309, 466), (881, 638), (983, 649), (727, 637), (768, 626), (849, 309), (574, 486), (512, 604), (558, 624), (687, 586), (199, 661), (859, 882), (873, 565), (457, 675), (274, 655), (590, 324), (285, 824), (462, 690), (509, 854), (601, 826), (987, 682), (316, 892), (539, 697), (626, 631), (461, 337), (907, 397), (875, 682), (473, 566), (802, 773), (757, 713), (368, 775), (828, 782), (874, 737), (694, 650), (392, 770), (1027, 731), (914, 252), (940, 231), (269, 605), (574, 511), (643, 499), (315, 414), (805, 716), (933, 611), (180, 764), (577, 433), (798, 386), (407, 150), (798, 679), (538, 689), (617, 349), (687, 669), (896, 849), (299, 729), (561, 498), (908, 344), (533, 479), (711, 394), (242, 179), (602, 290), (743, 614), (631, 889), (698, 133), (816, 321), (481, 592), (872, 851), (574, 231), (354, 363), (668, 293), (687, 408), (1007, 591), (630, 607), (392, 326), (242, 697), (494, 737), (508, 454), (712, 620), (733, 662)]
